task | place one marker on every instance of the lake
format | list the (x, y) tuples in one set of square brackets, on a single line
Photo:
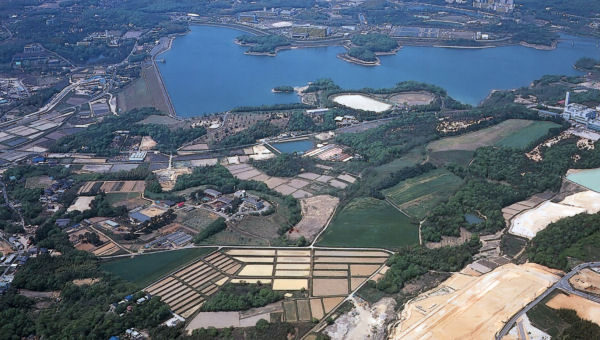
[(299, 146), (206, 72), (587, 178)]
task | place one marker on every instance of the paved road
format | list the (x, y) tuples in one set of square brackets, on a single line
[(562, 284)]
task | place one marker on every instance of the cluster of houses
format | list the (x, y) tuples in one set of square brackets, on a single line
[(52, 195), (11, 262), (225, 203)]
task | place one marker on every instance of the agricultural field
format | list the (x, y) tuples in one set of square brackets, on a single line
[(524, 137), (416, 196), (196, 219), (511, 132), (413, 157), (128, 199), (318, 281), (143, 269), (369, 222)]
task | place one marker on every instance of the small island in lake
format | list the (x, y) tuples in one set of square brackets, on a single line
[(283, 89)]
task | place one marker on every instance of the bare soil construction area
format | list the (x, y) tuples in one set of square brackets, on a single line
[(467, 307), (585, 308), (412, 98), (316, 211), (586, 280)]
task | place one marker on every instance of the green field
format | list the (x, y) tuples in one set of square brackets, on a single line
[(527, 135), (369, 222), (546, 318), (145, 269), (511, 132), (411, 158), (417, 196)]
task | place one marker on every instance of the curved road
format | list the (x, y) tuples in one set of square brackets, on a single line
[(562, 284)]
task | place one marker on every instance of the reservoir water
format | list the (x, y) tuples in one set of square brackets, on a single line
[(587, 178), (299, 146), (206, 72)]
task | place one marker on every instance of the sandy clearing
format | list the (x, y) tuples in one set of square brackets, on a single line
[(585, 308), (363, 269), (529, 223), (331, 303), (88, 281), (255, 259), (82, 203), (364, 321), (316, 211), (589, 200), (261, 252), (290, 284), (466, 307), (257, 270), (292, 273), (329, 287), (361, 102)]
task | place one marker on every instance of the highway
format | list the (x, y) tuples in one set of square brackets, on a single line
[(562, 284)]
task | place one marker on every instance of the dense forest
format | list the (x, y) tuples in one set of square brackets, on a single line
[(263, 43), (410, 263), (237, 297), (249, 136), (99, 138), (286, 165)]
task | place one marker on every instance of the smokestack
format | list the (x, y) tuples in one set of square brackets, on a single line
[(567, 99)]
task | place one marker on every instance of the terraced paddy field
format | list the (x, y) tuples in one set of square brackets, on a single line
[(143, 269), (416, 196), (511, 132), (320, 279), (369, 222)]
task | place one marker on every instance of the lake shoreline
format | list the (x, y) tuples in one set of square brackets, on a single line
[(227, 60)]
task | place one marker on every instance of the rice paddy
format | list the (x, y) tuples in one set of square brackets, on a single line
[(326, 275)]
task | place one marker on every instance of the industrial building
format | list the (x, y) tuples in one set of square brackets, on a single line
[(581, 114)]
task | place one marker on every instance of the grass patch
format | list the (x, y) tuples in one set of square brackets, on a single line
[(546, 318), (460, 157), (197, 219), (145, 269), (411, 158), (369, 222), (511, 245), (418, 195), (118, 197), (524, 137)]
